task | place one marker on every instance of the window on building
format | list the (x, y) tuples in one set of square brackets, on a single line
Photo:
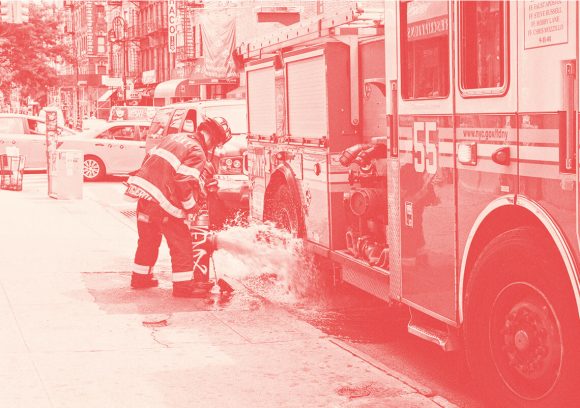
[(483, 52), (101, 45), (424, 49), (99, 12)]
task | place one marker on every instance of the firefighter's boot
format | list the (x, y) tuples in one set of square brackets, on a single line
[(143, 281), (192, 289)]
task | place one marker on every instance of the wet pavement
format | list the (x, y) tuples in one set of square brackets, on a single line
[(370, 327), (75, 335)]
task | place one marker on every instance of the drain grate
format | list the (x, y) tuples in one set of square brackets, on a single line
[(129, 213)]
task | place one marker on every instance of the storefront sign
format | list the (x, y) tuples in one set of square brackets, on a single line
[(149, 77), (545, 23), (112, 82), (172, 25)]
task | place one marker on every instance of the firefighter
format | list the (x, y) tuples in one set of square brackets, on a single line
[(171, 186)]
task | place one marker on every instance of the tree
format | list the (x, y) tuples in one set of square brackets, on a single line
[(29, 53)]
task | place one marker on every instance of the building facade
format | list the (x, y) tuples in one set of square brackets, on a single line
[(166, 50)]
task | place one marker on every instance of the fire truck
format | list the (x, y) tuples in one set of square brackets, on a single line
[(430, 154)]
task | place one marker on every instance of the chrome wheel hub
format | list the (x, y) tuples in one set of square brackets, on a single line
[(526, 340)]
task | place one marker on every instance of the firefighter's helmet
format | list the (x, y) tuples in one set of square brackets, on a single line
[(218, 128)]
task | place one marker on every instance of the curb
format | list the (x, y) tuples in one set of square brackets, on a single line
[(420, 388)]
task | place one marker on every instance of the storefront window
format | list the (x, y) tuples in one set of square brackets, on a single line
[(483, 51), (424, 49)]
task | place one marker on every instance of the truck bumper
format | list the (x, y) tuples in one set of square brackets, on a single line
[(233, 190)]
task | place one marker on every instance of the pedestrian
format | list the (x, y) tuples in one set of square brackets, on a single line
[(170, 185)]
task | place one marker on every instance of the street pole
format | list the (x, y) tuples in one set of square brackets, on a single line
[(124, 66), (119, 31)]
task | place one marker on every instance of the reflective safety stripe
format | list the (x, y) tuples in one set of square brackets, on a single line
[(167, 156), (157, 195), (182, 276), (188, 171), (142, 269), (189, 203), (142, 217)]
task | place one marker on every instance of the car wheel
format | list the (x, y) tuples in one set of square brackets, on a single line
[(521, 326), (93, 168)]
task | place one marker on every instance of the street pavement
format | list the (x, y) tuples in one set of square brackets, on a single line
[(75, 335)]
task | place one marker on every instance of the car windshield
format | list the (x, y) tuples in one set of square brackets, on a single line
[(11, 125)]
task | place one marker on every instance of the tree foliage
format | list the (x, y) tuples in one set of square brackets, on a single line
[(28, 53)]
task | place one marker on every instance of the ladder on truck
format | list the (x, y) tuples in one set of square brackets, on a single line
[(348, 21)]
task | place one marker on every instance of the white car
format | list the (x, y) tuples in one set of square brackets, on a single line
[(110, 148), (28, 134)]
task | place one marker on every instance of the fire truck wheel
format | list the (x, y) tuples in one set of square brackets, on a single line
[(283, 211), (521, 326), (93, 168)]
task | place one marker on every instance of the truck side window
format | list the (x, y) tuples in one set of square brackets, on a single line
[(159, 123), (483, 51), (189, 124), (424, 49), (175, 123)]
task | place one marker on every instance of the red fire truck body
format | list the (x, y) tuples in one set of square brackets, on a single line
[(432, 157)]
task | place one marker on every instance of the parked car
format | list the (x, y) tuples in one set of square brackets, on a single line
[(28, 134), (229, 161), (110, 148)]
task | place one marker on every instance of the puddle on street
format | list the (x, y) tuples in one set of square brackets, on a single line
[(274, 265)]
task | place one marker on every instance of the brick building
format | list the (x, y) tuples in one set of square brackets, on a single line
[(86, 24)]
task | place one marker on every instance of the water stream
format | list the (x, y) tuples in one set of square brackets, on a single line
[(275, 265)]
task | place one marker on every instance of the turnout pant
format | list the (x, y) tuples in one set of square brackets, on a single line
[(153, 223)]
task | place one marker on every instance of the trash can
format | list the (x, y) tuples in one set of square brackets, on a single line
[(11, 172), (66, 178)]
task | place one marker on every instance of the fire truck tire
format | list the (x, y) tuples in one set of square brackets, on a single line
[(283, 210), (521, 326)]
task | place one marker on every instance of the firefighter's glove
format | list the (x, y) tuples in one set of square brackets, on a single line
[(206, 174)]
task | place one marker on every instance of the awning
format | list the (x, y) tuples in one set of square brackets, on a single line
[(107, 95), (176, 88), (198, 78)]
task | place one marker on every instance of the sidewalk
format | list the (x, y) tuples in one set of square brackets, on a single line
[(75, 335)]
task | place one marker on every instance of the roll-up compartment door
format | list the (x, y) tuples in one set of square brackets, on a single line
[(307, 98), (261, 102)]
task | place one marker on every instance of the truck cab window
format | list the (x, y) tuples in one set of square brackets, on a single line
[(175, 123), (424, 50), (159, 123), (483, 51)]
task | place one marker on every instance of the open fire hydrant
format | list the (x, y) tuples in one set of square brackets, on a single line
[(204, 243)]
